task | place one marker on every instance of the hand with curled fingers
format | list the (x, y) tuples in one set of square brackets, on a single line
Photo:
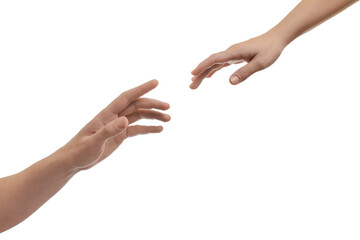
[(262, 51), (103, 135), (259, 53)]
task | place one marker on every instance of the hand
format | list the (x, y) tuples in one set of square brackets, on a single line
[(259, 53), (102, 135)]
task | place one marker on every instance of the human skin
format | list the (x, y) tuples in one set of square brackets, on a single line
[(262, 51), (23, 193)]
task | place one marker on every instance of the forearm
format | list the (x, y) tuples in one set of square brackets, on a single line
[(307, 15), (23, 193)]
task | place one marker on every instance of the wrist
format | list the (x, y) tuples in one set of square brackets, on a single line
[(281, 37), (64, 161)]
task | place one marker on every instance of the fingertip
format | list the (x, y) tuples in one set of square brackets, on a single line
[(166, 106), (167, 118), (159, 128), (193, 86), (154, 82), (122, 122)]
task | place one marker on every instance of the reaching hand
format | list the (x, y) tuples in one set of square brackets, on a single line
[(29, 189), (102, 135), (259, 53)]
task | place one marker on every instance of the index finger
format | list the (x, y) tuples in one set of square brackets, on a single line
[(127, 97), (216, 58)]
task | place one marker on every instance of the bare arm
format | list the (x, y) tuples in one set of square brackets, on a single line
[(262, 51), (307, 15), (23, 193)]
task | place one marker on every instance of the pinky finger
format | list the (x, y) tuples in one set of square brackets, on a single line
[(140, 129)]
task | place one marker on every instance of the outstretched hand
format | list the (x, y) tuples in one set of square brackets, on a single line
[(29, 189), (259, 53), (103, 135)]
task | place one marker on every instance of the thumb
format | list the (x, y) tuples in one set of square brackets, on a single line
[(246, 71), (113, 128)]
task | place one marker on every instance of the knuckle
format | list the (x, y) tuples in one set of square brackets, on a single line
[(105, 132), (260, 63), (233, 47), (213, 58), (242, 75)]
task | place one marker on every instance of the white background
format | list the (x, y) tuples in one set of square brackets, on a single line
[(276, 157)]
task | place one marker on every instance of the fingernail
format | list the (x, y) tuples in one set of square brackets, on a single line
[(234, 80)]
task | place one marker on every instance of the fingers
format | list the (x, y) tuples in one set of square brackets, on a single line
[(214, 70), (217, 69), (145, 103), (139, 129), (113, 128), (134, 131), (207, 73), (220, 57), (121, 102), (147, 114), (212, 64), (246, 71), (197, 79)]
